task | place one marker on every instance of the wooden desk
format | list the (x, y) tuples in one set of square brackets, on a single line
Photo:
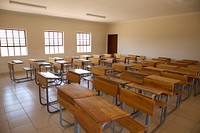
[(150, 63), (29, 72), (39, 65), (133, 76), (145, 88), (43, 79), (163, 83), (63, 63), (163, 79), (67, 94), (100, 70), (75, 75), (166, 66), (152, 70), (120, 66), (114, 80), (92, 112)]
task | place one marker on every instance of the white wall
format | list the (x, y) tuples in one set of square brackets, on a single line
[(177, 37), (37, 24)]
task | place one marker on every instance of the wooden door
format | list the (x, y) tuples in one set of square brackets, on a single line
[(112, 43)]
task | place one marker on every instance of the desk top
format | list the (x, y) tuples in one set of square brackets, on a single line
[(122, 64), (17, 61), (63, 62), (43, 63), (37, 60), (80, 71), (100, 109), (114, 79), (48, 75), (154, 69), (75, 91), (84, 60), (163, 79), (103, 67), (145, 88)]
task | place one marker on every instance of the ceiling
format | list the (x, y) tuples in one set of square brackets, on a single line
[(113, 10)]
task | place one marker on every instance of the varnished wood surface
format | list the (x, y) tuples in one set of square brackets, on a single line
[(17, 61), (100, 109), (145, 88), (67, 93), (75, 90), (80, 71), (48, 75), (106, 87), (163, 79), (114, 80)]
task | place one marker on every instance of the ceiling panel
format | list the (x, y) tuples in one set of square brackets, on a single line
[(114, 10)]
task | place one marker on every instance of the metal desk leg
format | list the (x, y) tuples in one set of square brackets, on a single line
[(61, 120)]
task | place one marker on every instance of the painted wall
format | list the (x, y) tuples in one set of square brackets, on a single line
[(177, 37), (37, 24)]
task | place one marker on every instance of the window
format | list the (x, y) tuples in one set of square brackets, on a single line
[(13, 42), (83, 42), (53, 42)]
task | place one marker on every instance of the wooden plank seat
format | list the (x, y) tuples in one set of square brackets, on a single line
[(139, 102), (67, 94)]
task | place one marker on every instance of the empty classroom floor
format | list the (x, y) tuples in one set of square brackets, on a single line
[(21, 112)]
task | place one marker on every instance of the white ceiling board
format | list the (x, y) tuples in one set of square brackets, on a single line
[(114, 10)]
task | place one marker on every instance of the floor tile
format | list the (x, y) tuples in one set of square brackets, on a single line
[(26, 128)]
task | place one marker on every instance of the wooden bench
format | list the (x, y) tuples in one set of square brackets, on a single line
[(133, 77), (139, 102), (183, 82)]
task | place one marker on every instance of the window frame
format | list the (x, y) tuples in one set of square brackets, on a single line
[(54, 45), (85, 48), (21, 44)]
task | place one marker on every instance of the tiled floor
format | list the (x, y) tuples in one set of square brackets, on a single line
[(21, 112)]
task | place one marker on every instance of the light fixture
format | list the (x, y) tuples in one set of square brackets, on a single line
[(26, 4), (94, 15)]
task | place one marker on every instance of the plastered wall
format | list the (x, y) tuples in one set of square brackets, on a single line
[(177, 37), (37, 24)]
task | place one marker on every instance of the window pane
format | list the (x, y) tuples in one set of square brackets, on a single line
[(56, 49), (17, 51), (3, 41), (16, 42), (9, 33), (15, 33), (51, 50), (50, 34), (23, 51), (21, 34), (10, 42), (61, 49), (11, 51), (4, 51), (46, 50)]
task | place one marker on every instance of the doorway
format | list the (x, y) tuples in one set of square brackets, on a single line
[(112, 43)]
